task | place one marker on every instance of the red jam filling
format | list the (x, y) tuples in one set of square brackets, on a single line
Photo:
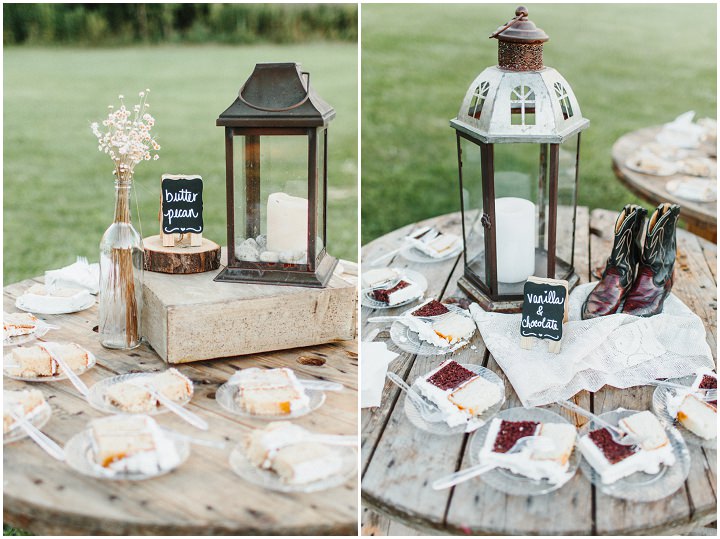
[(451, 376), (709, 382), (433, 308), (510, 432), (612, 450), (384, 295)]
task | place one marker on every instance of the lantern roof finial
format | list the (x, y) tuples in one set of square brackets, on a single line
[(520, 29)]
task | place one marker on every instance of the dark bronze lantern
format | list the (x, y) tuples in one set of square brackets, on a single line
[(276, 180), (518, 147)]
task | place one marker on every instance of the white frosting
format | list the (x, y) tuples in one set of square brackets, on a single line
[(376, 277), (316, 469), (701, 418), (524, 462), (455, 326), (274, 439), (425, 331), (436, 246), (404, 294), (272, 378)]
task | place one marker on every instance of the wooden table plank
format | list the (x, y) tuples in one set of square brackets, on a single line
[(49, 498)]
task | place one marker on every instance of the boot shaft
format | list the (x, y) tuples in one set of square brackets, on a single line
[(627, 246), (660, 244)]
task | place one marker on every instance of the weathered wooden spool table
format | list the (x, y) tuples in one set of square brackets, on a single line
[(701, 217), (400, 461), (203, 496)]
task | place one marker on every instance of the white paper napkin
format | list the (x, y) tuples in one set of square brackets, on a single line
[(375, 358), (78, 275), (615, 350)]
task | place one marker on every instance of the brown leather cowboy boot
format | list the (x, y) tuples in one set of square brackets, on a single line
[(619, 273), (655, 272)]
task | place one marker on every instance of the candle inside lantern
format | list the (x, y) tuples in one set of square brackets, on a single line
[(287, 223), (515, 239)]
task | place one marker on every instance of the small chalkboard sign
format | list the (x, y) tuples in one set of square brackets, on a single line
[(545, 308), (181, 208)]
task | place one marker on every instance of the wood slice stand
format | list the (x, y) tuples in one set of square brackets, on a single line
[(193, 259)]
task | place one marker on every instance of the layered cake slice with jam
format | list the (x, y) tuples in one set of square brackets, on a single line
[(132, 443), (26, 403), (131, 396), (16, 324), (449, 328), (281, 447), (613, 461), (36, 361), (402, 291), (269, 391), (547, 460), (458, 392), (695, 414)]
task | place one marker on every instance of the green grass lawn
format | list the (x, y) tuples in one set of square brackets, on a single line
[(58, 189), (630, 67)]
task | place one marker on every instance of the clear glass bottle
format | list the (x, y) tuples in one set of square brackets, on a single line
[(121, 277)]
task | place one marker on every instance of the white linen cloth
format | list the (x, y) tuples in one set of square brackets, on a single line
[(78, 275), (374, 360), (619, 350)]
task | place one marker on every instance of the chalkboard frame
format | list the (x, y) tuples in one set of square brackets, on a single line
[(548, 309)]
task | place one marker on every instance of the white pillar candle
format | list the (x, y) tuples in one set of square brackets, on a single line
[(514, 239), (287, 223)]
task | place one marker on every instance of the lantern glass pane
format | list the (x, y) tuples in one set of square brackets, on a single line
[(271, 199), (322, 195), (518, 170), (566, 208), (472, 203)]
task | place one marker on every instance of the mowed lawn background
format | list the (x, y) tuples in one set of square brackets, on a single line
[(630, 66), (59, 190)]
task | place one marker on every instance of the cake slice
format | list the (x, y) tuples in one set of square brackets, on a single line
[(28, 403), (132, 443), (696, 415), (377, 277), (548, 460), (36, 361), (280, 447), (454, 328), (613, 461), (132, 396), (435, 245), (403, 291), (269, 391), (39, 298), (458, 392), (17, 324)]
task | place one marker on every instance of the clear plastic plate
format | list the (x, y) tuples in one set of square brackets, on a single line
[(659, 404), (511, 483), (7, 362), (268, 479), (642, 487), (409, 341), (38, 420), (418, 278), (411, 253), (97, 395), (79, 456), (20, 304), (442, 428), (225, 396)]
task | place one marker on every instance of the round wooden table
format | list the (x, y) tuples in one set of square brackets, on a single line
[(701, 217), (203, 496), (399, 461)]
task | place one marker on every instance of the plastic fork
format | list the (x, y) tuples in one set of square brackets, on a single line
[(194, 419), (49, 446), (619, 436), (542, 443), (429, 411), (707, 395), (321, 385), (74, 378)]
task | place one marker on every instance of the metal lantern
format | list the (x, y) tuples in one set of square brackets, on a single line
[(518, 147), (276, 180)]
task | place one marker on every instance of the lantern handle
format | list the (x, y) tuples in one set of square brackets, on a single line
[(283, 109), (520, 13)]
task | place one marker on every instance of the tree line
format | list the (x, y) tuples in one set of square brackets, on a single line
[(123, 24)]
